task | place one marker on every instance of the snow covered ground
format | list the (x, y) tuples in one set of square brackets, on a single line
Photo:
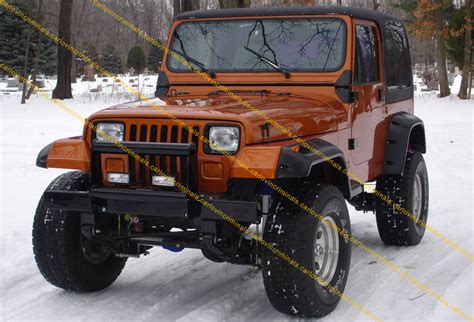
[(186, 286)]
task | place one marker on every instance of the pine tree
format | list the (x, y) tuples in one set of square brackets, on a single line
[(154, 59), (13, 37), (110, 61), (12, 43), (136, 59), (455, 43), (48, 59), (90, 51)]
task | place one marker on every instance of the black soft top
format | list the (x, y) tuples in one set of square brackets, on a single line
[(359, 13)]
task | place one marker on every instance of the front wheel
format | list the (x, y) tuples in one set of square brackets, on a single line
[(319, 246), (65, 257)]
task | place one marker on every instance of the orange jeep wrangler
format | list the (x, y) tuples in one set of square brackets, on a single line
[(339, 78)]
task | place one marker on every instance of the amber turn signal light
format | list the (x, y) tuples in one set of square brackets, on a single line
[(213, 170)]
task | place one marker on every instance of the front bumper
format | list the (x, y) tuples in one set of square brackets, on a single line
[(119, 201), (167, 204), (137, 198)]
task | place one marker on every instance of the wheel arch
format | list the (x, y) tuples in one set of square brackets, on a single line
[(327, 165), (406, 132)]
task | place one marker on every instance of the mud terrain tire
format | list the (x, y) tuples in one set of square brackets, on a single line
[(398, 226), (296, 233), (58, 248)]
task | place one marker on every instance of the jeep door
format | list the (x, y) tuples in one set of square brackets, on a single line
[(367, 111)]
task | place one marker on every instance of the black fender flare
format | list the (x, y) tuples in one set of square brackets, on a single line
[(406, 131), (298, 164), (41, 160)]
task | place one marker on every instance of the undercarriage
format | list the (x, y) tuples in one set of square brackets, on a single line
[(129, 220)]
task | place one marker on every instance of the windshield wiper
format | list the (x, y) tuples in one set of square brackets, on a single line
[(201, 66), (262, 92), (269, 62)]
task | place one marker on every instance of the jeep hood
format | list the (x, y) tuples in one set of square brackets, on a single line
[(302, 116)]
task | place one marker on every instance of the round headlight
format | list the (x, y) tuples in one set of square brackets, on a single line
[(109, 131), (224, 138)]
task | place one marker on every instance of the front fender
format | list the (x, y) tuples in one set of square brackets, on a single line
[(300, 164), (70, 153), (256, 161), (293, 164)]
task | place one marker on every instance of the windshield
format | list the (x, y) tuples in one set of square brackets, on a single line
[(254, 45)]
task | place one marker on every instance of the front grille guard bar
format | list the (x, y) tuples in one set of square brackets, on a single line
[(170, 156)]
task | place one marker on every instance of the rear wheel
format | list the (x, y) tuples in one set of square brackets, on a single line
[(65, 257), (315, 245), (404, 225)]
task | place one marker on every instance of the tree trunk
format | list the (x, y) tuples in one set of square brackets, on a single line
[(73, 68), (37, 54), (375, 4), (35, 68), (466, 69), (77, 38), (234, 4), (176, 7), (189, 5), (441, 55), (469, 86), (290, 3), (25, 65), (470, 81), (63, 86)]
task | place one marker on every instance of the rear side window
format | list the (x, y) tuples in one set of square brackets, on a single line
[(397, 56), (366, 69)]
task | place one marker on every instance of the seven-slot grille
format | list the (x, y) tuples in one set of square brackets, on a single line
[(174, 166), (182, 168)]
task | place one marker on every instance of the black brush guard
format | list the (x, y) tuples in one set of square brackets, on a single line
[(161, 203)]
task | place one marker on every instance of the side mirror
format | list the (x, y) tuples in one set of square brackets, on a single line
[(344, 88)]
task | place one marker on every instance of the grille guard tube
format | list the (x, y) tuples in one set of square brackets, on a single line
[(175, 149)]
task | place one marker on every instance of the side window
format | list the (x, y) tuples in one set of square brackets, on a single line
[(366, 67), (397, 56)]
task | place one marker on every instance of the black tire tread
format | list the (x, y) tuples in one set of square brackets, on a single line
[(289, 290), (396, 228), (57, 256)]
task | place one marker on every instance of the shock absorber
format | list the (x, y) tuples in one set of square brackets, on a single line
[(265, 192)]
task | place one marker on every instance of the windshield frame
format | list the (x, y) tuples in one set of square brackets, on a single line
[(345, 41)]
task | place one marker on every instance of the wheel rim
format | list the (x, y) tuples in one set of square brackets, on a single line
[(417, 197), (94, 252), (326, 250)]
